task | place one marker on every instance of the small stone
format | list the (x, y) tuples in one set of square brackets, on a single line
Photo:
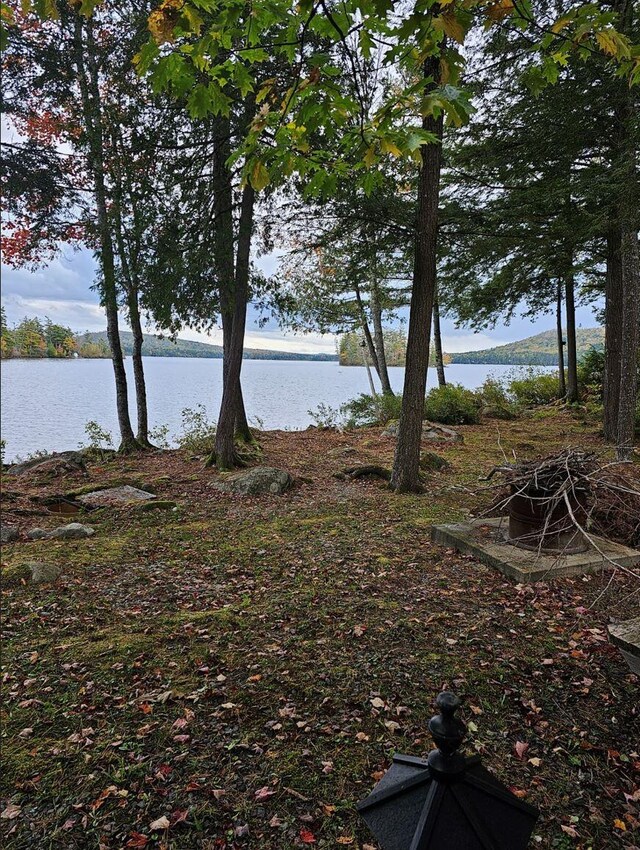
[(41, 573), (73, 531), (342, 451), (8, 534)]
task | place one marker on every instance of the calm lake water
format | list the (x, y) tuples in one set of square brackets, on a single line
[(46, 403)]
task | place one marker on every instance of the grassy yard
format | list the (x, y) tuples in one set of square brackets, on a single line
[(208, 677)]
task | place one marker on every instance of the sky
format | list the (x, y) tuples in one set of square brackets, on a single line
[(62, 291)]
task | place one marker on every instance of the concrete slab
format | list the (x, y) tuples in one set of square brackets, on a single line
[(626, 636), (486, 540)]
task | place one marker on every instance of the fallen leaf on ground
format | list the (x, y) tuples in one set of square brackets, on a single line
[(12, 811)]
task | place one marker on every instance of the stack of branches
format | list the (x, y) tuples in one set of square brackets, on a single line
[(599, 498), (616, 503)]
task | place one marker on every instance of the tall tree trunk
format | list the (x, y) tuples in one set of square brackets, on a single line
[(378, 339), (225, 447), (90, 94), (371, 348), (142, 435), (406, 465), (572, 352), (242, 429), (437, 342), (628, 204), (130, 277), (612, 333), (243, 265), (562, 386), (630, 339), (365, 363)]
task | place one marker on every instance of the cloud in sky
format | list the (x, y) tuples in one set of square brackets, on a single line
[(62, 291)]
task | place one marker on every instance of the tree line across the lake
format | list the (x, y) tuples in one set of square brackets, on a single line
[(464, 158), (33, 337)]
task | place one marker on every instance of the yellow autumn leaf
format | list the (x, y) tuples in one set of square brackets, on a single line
[(450, 25), (389, 147), (560, 24), (620, 824), (445, 70), (370, 157), (500, 9), (606, 42), (259, 177)]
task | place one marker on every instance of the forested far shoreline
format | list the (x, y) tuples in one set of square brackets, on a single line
[(33, 338)]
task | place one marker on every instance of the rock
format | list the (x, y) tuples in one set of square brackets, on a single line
[(495, 411), (114, 497), (431, 431), (8, 534), (341, 451), (253, 482), (55, 463), (73, 531), (43, 572), (430, 461), (437, 433), (38, 534), (626, 636), (158, 505)]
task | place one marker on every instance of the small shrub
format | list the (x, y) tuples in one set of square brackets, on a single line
[(496, 402), (99, 440), (365, 410), (591, 373), (535, 388), (159, 436), (198, 434), (452, 405), (325, 416)]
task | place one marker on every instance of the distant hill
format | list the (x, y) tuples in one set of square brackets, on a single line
[(153, 346), (538, 350)]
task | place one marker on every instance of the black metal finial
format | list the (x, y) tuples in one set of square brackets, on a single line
[(448, 732), (447, 801)]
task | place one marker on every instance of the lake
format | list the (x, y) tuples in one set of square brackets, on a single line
[(46, 403)]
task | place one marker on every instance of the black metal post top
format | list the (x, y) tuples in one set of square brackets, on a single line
[(448, 733), (446, 802)]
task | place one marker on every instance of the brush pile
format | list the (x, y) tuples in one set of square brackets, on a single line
[(616, 503), (574, 490)]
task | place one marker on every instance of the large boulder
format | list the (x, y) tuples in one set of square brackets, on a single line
[(255, 481), (115, 497), (432, 432), (8, 534), (56, 463), (73, 531)]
